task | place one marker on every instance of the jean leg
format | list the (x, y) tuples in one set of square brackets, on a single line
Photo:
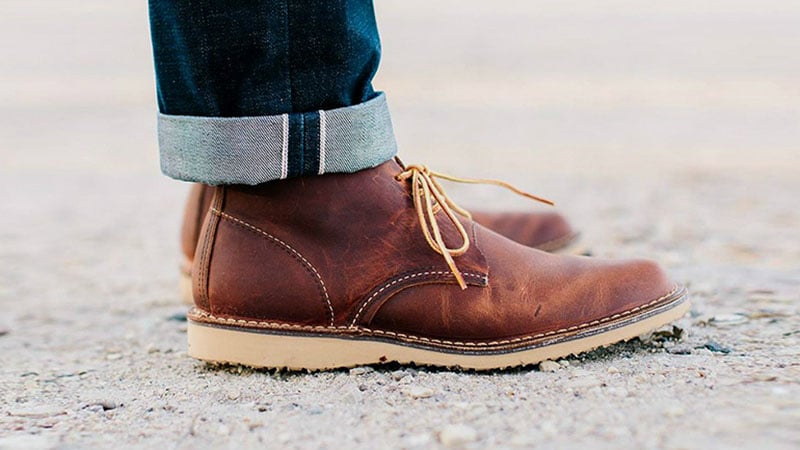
[(255, 90)]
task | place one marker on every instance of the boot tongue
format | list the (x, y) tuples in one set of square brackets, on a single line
[(430, 198)]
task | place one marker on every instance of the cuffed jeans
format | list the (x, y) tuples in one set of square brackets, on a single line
[(251, 91)]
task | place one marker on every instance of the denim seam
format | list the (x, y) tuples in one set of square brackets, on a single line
[(321, 142), (285, 146)]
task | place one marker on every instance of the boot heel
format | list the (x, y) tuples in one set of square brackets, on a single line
[(185, 281), (217, 344), (185, 288)]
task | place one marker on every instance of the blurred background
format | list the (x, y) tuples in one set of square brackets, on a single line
[(663, 129), (669, 129), (572, 86)]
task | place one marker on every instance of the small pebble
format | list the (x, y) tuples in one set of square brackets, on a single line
[(114, 356), (669, 333), (93, 408), (360, 370), (37, 412), (418, 440), (612, 370), (233, 394), (728, 319), (103, 405), (717, 348), (549, 366), (457, 435), (398, 375), (418, 392)]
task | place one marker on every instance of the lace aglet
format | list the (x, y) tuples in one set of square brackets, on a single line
[(455, 271), (539, 199), (460, 279)]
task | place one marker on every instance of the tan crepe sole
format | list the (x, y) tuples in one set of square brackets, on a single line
[(570, 246), (294, 350)]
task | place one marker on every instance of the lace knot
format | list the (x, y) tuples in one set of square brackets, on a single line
[(430, 198)]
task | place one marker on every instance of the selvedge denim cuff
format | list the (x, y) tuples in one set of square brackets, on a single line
[(253, 150)]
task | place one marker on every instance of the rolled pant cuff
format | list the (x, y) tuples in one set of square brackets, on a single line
[(253, 150)]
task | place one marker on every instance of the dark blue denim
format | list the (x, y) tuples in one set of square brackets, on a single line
[(235, 58)]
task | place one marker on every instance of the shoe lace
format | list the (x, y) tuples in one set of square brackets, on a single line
[(429, 198)]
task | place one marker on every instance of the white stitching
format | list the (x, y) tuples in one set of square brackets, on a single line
[(285, 146), (288, 247), (198, 312), (207, 315), (322, 138), (400, 280)]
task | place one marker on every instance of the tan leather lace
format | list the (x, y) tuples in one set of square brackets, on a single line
[(429, 198)]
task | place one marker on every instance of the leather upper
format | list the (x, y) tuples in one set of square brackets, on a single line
[(544, 230), (345, 252)]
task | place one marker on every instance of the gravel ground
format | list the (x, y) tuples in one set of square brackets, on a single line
[(669, 132)]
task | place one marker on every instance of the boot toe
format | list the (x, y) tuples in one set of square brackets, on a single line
[(553, 227), (637, 284)]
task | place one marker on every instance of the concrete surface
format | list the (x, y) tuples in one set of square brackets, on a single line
[(666, 130)]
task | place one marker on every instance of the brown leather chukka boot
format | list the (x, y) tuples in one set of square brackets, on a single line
[(371, 267), (548, 231)]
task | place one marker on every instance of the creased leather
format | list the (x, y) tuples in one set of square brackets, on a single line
[(534, 229)]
